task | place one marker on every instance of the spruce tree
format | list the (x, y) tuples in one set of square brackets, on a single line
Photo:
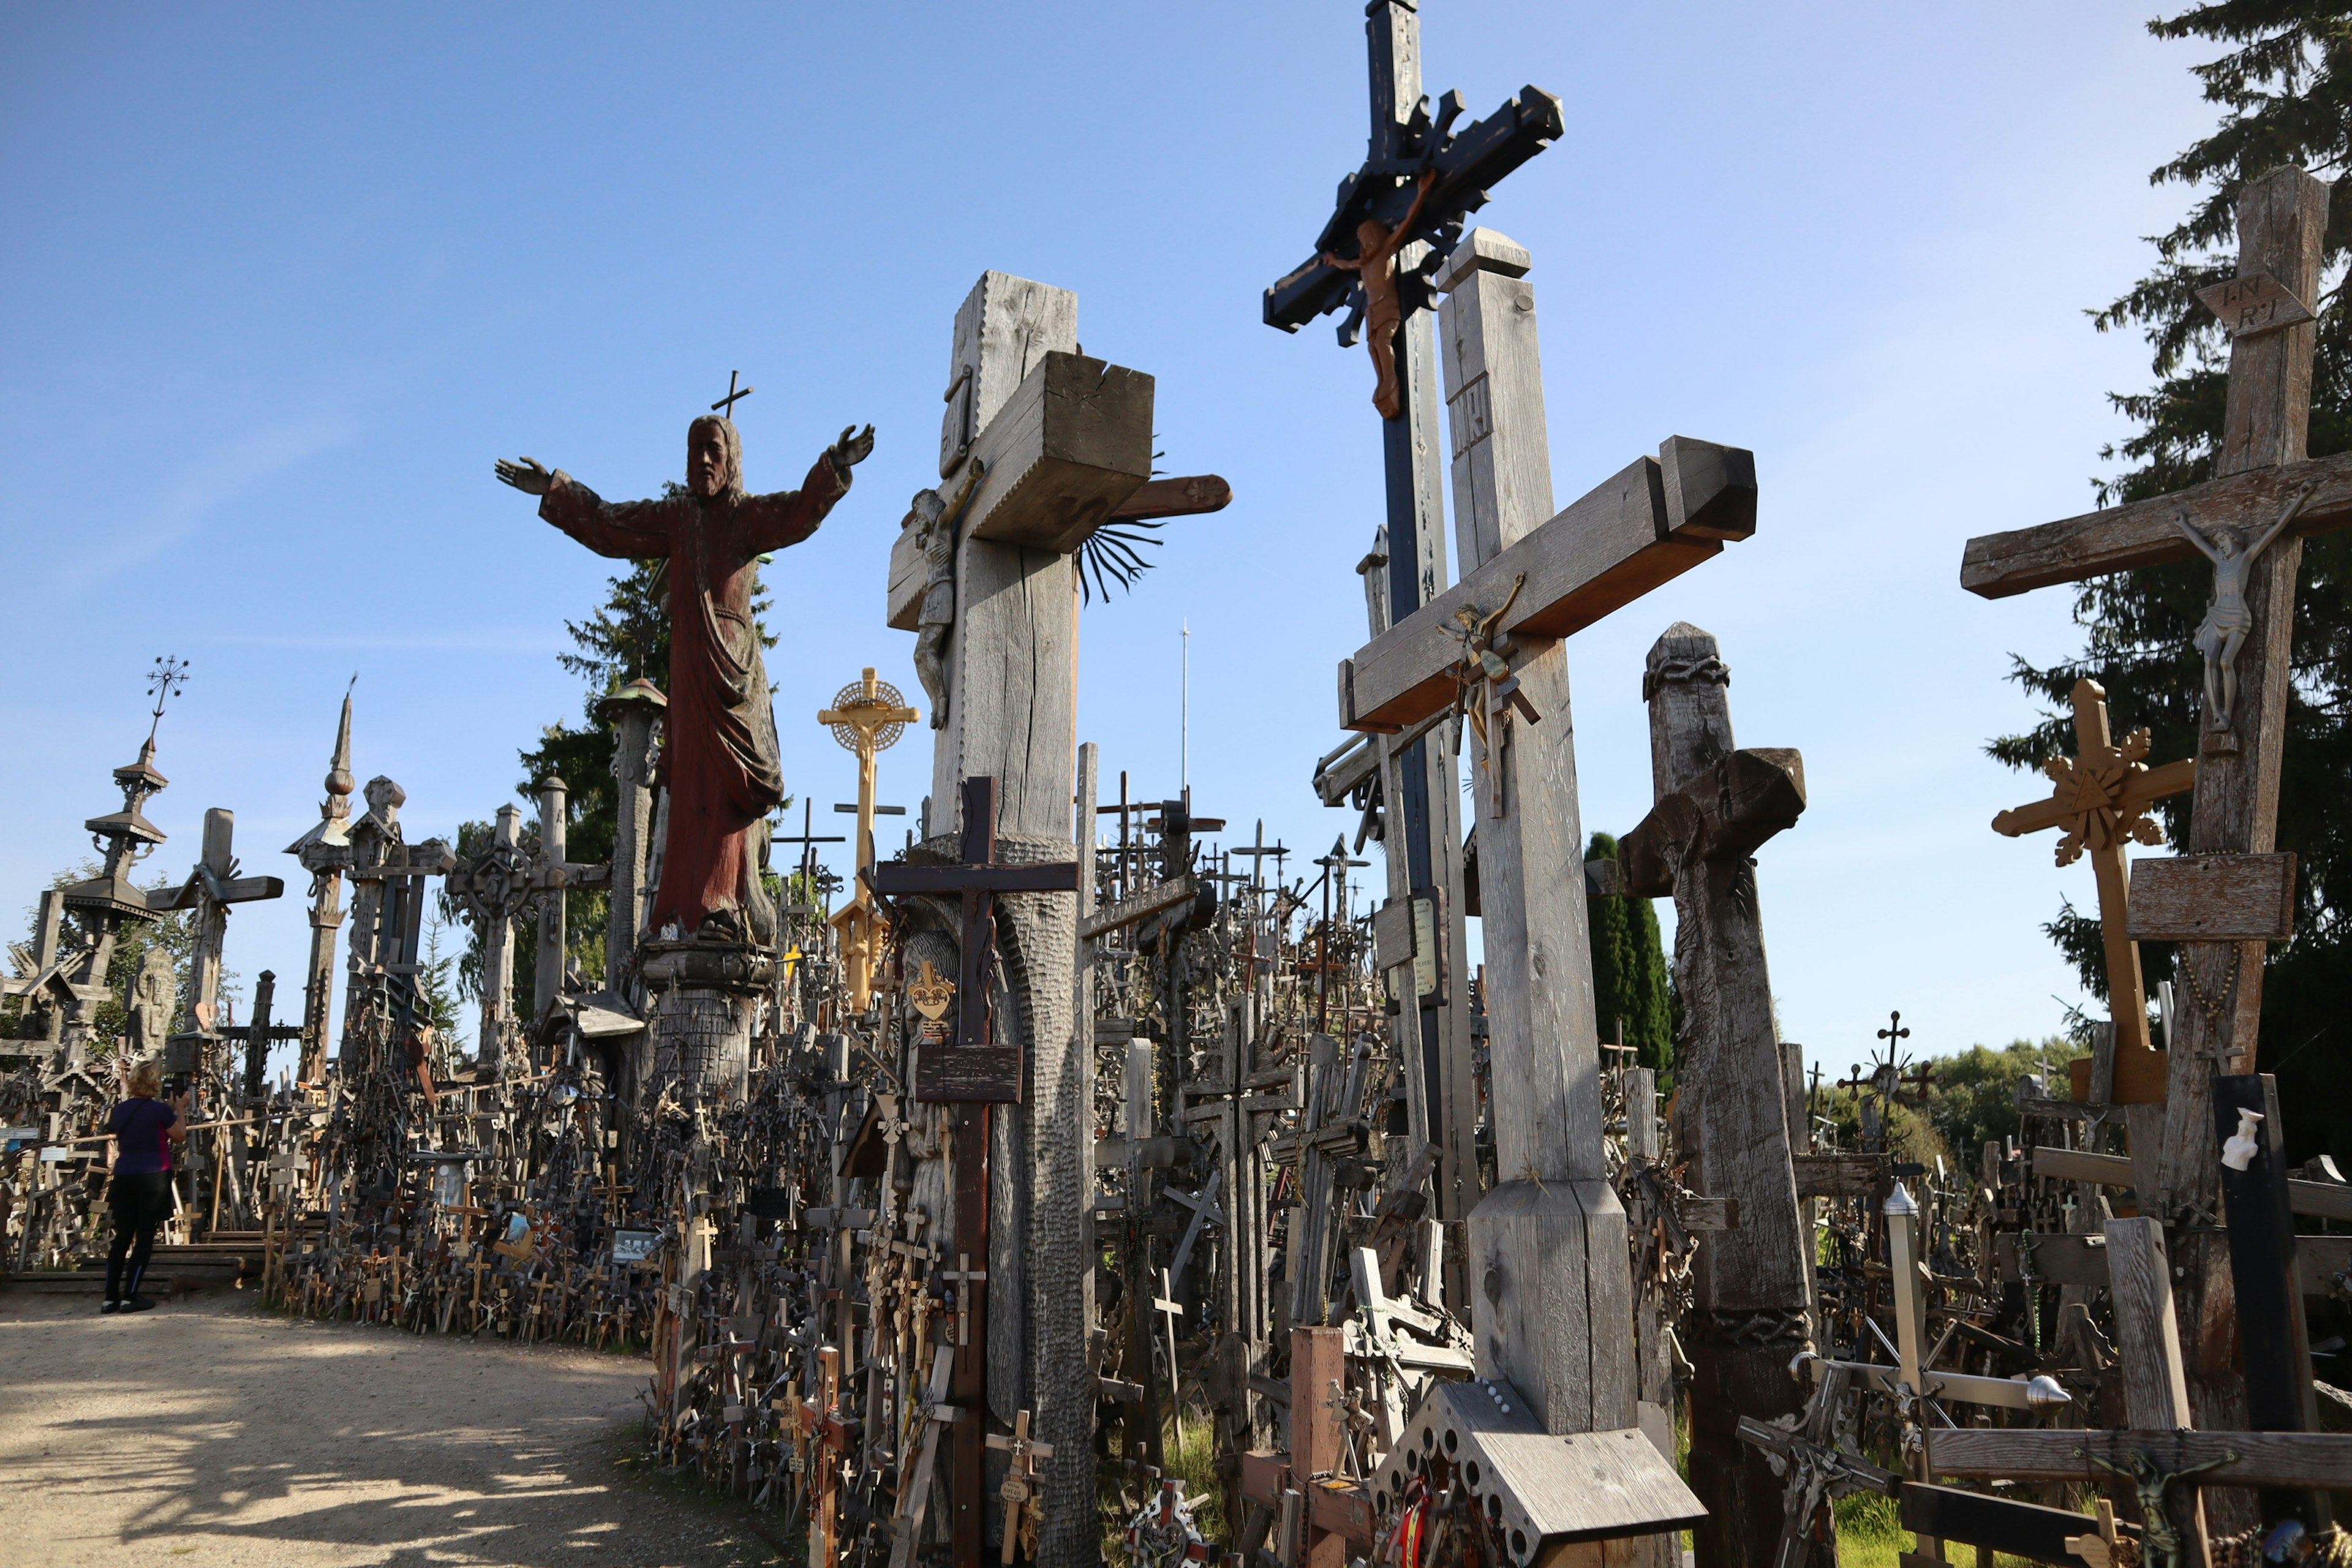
[(2282, 102)]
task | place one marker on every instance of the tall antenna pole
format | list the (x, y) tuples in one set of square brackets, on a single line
[(1184, 719)]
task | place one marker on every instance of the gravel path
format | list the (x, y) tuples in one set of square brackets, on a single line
[(204, 1432)]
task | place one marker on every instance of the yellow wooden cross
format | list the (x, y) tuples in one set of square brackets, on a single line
[(2101, 800), (866, 717)]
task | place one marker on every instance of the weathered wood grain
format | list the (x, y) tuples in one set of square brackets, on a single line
[(2143, 533), (2262, 1459), (1840, 1175), (2139, 1285), (1071, 444), (1607, 549), (2003, 1524), (2213, 898)]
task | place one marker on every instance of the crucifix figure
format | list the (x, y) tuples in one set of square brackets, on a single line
[(1416, 166), (722, 768), (2101, 798), (2222, 636), (1381, 309)]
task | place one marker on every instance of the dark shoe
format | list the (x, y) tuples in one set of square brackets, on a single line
[(110, 1307), (138, 1304)]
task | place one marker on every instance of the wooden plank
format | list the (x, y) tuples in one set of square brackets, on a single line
[(1743, 799), (2139, 1285), (1840, 1175), (2057, 1259), (2122, 538), (2142, 1077), (2264, 1458), (964, 1074), (1972, 1519), (2318, 1260), (1188, 494), (1072, 443), (1607, 549), (1139, 906), (2213, 898), (2080, 1166), (2320, 1200)]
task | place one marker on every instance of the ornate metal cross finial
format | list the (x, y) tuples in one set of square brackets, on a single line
[(1894, 1032), (166, 681), (725, 407)]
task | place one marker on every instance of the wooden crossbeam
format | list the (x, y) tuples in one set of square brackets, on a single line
[(2261, 1458), (1648, 524), (2148, 534)]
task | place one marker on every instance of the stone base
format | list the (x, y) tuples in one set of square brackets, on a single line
[(1551, 1300)]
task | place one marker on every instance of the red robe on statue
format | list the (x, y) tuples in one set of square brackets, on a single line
[(720, 756)]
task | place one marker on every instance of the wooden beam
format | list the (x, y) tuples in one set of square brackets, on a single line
[(1840, 1175), (1139, 906), (2262, 1459), (1071, 444), (1745, 798), (2213, 898), (2143, 533), (2139, 1284), (1605, 550), (1972, 1519)]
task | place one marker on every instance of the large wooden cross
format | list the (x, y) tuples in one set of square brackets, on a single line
[(2260, 469), (1551, 1296), (1421, 836)]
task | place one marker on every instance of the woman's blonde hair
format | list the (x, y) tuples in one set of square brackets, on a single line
[(147, 1079)]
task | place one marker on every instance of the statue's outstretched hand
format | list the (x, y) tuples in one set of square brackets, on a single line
[(527, 475), (854, 448)]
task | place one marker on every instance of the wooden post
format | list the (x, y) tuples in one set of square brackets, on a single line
[(2140, 1282), (1750, 1308), (2282, 222), (553, 818), (1552, 1231), (1318, 1357)]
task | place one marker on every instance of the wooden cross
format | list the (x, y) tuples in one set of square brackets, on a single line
[(725, 407), (1556, 573), (1024, 1504), (966, 1280), (2100, 800), (1204, 1205), (915, 1495), (1169, 1308), (2260, 470)]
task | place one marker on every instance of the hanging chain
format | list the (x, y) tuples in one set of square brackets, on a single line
[(2212, 1006)]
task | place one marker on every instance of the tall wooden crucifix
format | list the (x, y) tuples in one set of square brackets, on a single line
[(2261, 475), (1551, 1300), (972, 1073), (1415, 167)]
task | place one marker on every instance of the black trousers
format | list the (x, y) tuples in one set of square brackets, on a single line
[(141, 1203)]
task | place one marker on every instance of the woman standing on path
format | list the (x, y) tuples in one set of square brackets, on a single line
[(144, 1130)]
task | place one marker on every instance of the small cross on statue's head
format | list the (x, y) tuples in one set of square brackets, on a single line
[(1893, 1031), (725, 407)]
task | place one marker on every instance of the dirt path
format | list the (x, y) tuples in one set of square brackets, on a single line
[(204, 1431)]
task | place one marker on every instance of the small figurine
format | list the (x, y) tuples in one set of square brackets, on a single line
[(934, 518), (1375, 260), (2238, 1150)]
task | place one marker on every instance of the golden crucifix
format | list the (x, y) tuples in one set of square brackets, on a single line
[(867, 719), (2101, 800)]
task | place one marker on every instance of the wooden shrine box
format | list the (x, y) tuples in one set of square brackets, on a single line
[(1547, 1494), (1072, 443)]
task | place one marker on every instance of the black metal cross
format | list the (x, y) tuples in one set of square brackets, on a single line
[(725, 407), (973, 1068), (166, 681), (1407, 141)]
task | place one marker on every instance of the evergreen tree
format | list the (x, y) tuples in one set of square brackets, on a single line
[(1631, 985), (2282, 102)]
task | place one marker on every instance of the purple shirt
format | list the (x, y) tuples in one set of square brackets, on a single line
[(142, 1137)]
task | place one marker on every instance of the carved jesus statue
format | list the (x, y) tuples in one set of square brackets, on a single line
[(2229, 618), (720, 760)]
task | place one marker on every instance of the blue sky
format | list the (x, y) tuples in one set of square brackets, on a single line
[(276, 285)]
